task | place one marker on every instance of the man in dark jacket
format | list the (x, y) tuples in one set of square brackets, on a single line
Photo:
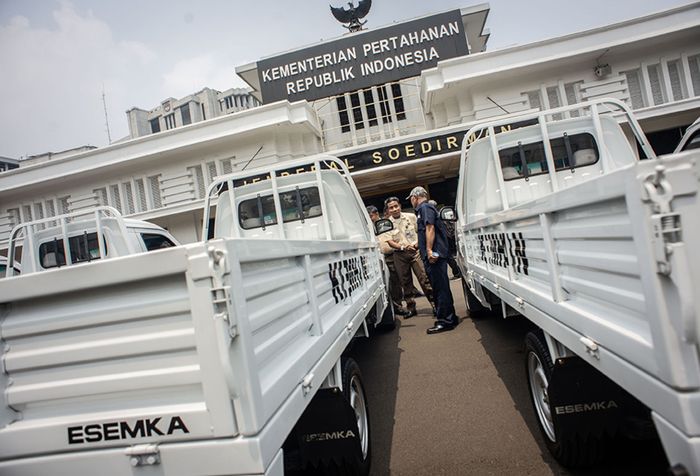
[(434, 250)]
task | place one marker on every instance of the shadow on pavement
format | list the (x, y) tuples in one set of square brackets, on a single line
[(378, 358), (503, 341)]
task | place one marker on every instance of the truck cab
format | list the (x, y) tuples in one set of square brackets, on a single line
[(99, 233), (309, 204)]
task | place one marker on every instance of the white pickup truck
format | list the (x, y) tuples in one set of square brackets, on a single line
[(558, 221), (219, 357), (98, 233)]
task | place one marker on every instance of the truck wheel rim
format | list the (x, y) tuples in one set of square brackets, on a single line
[(357, 402), (538, 387)]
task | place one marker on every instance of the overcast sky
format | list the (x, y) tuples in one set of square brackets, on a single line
[(57, 56)]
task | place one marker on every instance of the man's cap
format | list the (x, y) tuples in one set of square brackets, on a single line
[(418, 192)]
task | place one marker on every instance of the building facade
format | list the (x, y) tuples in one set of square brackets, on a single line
[(394, 103), (7, 163), (200, 106)]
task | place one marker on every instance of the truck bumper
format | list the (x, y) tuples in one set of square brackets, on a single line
[(680, 448), (209, 457)]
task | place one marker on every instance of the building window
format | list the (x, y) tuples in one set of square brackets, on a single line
[(129, 198), (185, 114), (371, 109), (204, 114), (364, 107), (384, 104), (634, 87), (694, 68), (230, 101), (656, 83), (356, 110), (533, 97), (141, 195), (64, 205), (170, 121), (226, 166), (573, 95), (343, 114), (398, 101), (154, 185), (155, 125), (554, 100), (675, 75), (115, 197)]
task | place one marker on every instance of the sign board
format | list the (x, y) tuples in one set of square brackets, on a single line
[(396, 153), (364, 59)]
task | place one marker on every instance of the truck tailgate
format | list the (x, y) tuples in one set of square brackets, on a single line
[(103, 354)]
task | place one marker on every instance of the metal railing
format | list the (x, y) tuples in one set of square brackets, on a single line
[(58, 227), (315, 164), (593, 108)]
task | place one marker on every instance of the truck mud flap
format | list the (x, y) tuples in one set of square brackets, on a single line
[(325, 436), (584, 402)]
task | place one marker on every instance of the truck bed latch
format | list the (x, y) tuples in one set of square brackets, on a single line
[(143, 455)]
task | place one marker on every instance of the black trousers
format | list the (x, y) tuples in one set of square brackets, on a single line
[(437, 272)]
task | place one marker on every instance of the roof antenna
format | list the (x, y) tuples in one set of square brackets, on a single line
[(104, 105), (504, 110), (251, 159)]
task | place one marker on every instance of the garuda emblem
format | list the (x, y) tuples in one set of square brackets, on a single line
[(352, 16)]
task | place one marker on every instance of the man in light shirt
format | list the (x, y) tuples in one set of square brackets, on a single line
[(406, 256), (388, 251)]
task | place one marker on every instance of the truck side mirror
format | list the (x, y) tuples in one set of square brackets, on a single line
[(448, 214), (382, 226)]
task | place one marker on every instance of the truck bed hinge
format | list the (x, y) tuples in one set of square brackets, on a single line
[(666, 225), (143, 455), (220, 292)]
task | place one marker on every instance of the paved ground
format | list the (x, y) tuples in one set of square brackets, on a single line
[(457, 403)]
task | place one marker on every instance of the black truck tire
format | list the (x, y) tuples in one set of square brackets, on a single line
[(354, 392), (574, 451)]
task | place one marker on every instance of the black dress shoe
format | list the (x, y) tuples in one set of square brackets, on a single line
[(438, 328), (410, 314), (400, 311)]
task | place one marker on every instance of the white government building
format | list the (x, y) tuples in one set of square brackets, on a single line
[(393, 102)]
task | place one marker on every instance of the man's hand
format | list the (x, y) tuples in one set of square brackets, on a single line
[(431, 258), (412, 247)]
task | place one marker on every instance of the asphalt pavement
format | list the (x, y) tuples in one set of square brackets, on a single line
[(457, 403)]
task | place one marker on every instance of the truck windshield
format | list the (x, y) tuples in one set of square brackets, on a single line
[(82, 248), (297, 204), (155, 241), (568, 151)]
